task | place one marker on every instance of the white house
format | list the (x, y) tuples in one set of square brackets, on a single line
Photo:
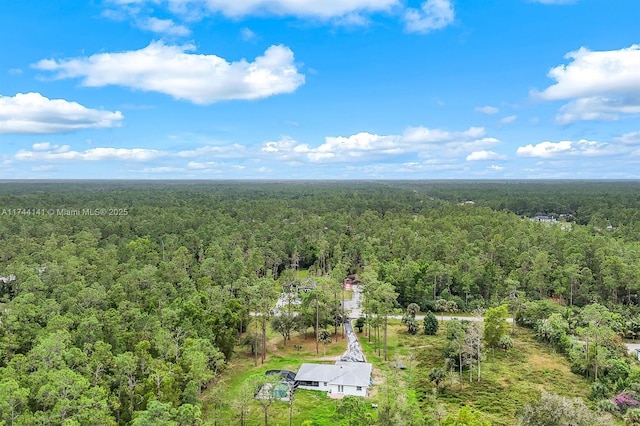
[(342, 378)]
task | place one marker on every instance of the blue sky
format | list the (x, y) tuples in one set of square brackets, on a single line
[(310, 89)]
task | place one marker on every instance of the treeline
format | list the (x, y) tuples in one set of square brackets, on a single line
[(126, 317), (597, 203)]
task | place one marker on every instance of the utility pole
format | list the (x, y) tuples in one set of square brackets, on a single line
[(343, 316), (317, 323)]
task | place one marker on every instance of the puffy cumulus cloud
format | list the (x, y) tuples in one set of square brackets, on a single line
[(421, 141), (601, 85), (170, 69), (485, 155), (356, 146), (286, 148), (432, 15), (426, 135), (549, 149), (593, 73), (35, 114), (488, 109), (325, 9)]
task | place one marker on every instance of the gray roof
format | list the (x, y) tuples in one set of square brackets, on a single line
[(342, 373)]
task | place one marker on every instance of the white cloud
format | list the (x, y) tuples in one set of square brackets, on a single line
[(325, 9), (632, 138), (197, 165), (42, 146), (433, 15), (488, 109), (544, 149), (286, 148), (427, 135), (601, 85), (94, 154), (352, 20), (199, 158), (554, 1), (509, 119), (496, 168), (485, 155), (597, 108), (162, 169), (35, 114), (548, 149), (247, 34), (595, 73), (164, 26), (355, 146), (421, 141), (201, 79), (224, 151)]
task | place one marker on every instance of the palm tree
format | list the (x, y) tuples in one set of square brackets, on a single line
[(324, 337)]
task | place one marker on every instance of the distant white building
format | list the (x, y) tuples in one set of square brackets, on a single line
[(545, 219), (342, 378)]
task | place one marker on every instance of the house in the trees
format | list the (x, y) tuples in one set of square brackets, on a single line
[(544, 219), (341, 378)]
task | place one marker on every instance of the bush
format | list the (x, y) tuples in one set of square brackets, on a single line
[(413, 326), (505, 343), (617, 370), (632, 418), (534, 311), (624, 401), (459, 302), (430, 324), (598, 390), (429, 306), (607, 406), (563, 411)]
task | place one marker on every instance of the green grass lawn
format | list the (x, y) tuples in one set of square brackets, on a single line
[(307, 405)]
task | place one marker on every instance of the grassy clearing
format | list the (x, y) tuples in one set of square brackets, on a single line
[(509, 379), (307, 405)]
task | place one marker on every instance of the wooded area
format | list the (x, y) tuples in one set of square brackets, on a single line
[(117, 318)]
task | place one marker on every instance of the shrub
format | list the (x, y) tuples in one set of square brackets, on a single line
[(632, 418), (553, 409), (430, 324), (624, 401), (607, 406), (505, 343)]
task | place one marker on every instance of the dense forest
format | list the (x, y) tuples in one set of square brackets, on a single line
[(120, 302)]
